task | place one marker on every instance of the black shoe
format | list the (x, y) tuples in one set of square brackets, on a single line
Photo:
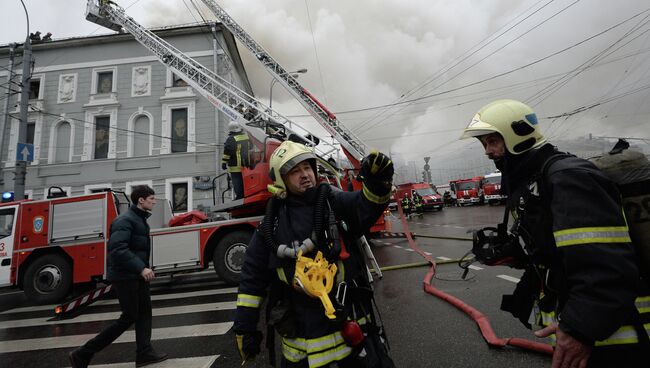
[(78, 359), (150, 357)]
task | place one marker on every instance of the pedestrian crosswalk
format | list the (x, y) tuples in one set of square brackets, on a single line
[(192, 322)]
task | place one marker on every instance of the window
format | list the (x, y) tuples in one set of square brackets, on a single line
[(178, 81), (31, 129), (96, 188), (105, 82), (128, 187), (179, 130), (141, 136), (34, 88), (6, 223), (60, 143), (179, 192), (102, 124)]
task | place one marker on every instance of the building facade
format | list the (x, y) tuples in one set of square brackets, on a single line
[(105, 113)]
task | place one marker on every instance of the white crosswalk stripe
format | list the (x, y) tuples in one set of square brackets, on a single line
[(114, 315), (181, 318), (193, 362), (128, 336), (508, 278)]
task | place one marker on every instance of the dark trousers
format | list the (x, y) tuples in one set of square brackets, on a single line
[(135, 303), (626, 355), (237, 184)]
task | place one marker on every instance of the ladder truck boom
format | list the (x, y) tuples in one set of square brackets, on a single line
[(352, 145), (228, 98)]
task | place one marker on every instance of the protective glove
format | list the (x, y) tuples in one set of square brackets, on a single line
[(377, 176), (224, 166), (248, 345)]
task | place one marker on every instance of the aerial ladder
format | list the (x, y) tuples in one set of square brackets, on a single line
[(266, 127), (353, 147), (256, 118)]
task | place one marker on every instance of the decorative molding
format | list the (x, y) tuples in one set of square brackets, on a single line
[(141, 81), (67, 88), (130, 134)]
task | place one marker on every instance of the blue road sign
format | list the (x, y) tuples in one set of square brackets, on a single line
[(25, 152)]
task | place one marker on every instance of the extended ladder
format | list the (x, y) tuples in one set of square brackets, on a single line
[(325, 118), (239, 106)]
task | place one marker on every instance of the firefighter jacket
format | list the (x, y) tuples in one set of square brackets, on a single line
[(236, 151), (583, 271), (310, 335), (128, 245), (406, 203)]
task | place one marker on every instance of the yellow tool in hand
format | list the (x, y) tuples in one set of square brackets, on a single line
[(316, 277)]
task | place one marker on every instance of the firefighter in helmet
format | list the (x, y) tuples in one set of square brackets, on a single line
[(581, 284), (236, 154), (418, 203), (305, 250), (406, 206)]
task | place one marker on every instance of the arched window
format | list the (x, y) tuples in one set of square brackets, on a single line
[(141, 136), (63, 144)]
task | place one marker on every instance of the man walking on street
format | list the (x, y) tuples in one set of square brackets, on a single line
[(581, 284), (128, 270)]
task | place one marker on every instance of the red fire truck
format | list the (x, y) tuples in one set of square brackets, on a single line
[(49, 245), (492, 188), (432, 200), (468, 191)]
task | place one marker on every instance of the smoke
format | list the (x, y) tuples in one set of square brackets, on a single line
[(369, 53)]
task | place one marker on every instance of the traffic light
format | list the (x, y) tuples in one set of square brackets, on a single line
[(7, 197)]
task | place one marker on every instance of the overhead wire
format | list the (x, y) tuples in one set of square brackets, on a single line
[(455, 62), (313, 40), (484, 58)]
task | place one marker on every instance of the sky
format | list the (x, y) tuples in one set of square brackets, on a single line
[(408, 75)]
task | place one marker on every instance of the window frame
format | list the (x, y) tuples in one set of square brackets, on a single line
[(190, 192), (51, 155), (95, 80), (130, 137), (89, 133), (166, 141)]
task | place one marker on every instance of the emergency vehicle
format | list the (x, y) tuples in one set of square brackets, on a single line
[(54, 243), (468, 191), (492, 188), (431, 199), (49, 245)]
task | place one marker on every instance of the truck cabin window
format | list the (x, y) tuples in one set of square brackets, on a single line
[(6, 222)]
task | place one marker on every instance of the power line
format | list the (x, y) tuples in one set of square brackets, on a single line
[(313, 41)]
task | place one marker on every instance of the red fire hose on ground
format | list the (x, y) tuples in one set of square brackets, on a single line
[(481, 320)]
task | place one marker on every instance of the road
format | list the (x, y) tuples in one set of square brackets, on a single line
[(193, 313)]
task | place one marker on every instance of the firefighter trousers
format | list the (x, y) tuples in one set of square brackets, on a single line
[(135, 303)]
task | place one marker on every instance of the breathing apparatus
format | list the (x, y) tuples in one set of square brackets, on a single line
[(315, 277)]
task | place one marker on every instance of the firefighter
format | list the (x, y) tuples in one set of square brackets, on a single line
[(418, 203), (406, 206), (236, 154), (581, 285), (308, 231)]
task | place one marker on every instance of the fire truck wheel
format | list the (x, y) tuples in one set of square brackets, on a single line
[(48, 279), (228, 256)]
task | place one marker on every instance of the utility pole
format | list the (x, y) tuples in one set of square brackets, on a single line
[(5, 112), (21, 165)]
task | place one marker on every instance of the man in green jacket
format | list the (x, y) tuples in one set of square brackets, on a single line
[(129, 271)]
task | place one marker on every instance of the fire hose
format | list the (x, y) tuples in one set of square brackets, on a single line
[(481, 320)]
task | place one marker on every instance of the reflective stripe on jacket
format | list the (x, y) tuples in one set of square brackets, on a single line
[(236, 151)]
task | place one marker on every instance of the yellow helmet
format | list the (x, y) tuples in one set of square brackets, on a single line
[(514, 120), (284, 158)]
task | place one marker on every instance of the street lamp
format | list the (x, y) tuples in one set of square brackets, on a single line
[(295, 74)]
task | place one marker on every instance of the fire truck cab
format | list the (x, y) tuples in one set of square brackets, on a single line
[(431, 199), (47, 246), (468, 191), (492, 188)]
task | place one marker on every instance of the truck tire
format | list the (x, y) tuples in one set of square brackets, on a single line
[(48, 279), (228, 256)]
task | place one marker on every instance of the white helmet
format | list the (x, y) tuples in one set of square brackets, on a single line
[(284, 158), (515, 121), (234, 126)]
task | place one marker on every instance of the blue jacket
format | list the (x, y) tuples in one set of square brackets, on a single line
[(129, 245)]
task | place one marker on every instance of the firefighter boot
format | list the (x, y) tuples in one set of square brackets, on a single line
[(80, 357), (149, 357)]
